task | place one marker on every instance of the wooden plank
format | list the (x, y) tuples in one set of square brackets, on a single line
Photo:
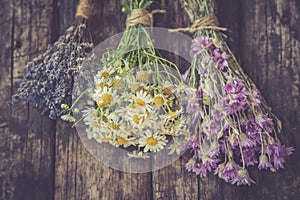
[(78, 174), (27, 163), (229, 15), (173, 181), (270, 55), (6, 41)]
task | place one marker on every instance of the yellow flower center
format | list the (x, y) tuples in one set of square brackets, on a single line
[(151, 141), (121, 140), (104, 118), (101, 85), (158, 100), (139, 88), (172, 115), (105, 140), (100, 105), (136, 119), (140, 102), (105, 74), (106, 100), (167, 91), (116, 127)]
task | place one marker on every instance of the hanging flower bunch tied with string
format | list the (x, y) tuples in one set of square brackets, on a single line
[(235, 127), (135, 92), (48, 82)]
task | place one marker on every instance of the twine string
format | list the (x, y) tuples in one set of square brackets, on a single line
[(140, 16), (84, 9), (204, 23)]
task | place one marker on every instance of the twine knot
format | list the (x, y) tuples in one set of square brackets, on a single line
[(207, 22), (84, 9), (140, 16)]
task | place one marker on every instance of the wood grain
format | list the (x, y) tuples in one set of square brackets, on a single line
[(45, 159), (26, 165), (270, 55)]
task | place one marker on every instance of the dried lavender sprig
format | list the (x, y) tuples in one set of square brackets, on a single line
[(48, 82)]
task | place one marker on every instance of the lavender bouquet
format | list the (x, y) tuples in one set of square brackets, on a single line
[(234, 125), (48, 82)]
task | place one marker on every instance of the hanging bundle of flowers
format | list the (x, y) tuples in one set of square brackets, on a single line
[(136, 92), (48, 82), (235, 126)]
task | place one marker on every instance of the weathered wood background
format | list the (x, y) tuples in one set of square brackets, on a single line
[(44, 159)]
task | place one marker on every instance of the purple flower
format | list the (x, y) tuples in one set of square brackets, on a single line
[(265, 122), (199, 170), (229, 171), (213, 127), (255, 97), (234, 87), (208, 164), (234, 106), (246, 141), (218, 115), (199, 94), (196, 167), (199, 44), (242, 178), (220, 59), (193, 144), (194, 112), (251, 127), (277, 153), (249, 156), (190, 164), (264, 162), (219, 170)]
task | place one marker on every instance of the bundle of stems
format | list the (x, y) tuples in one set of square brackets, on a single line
[(48, 81), (236, 127)]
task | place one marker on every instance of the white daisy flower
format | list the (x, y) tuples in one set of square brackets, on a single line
[(105, 97), (175, 148), (143, 76), (184, 89), (132, 83), (159, 100), (122, 139), (104, 74), (137, 154), (142, 100), (68, 117), (126, 96), (173, 115), (152, 142), (90, 114), (103, 137)]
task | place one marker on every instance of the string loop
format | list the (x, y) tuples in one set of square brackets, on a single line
[(140, 16), (207, 22), (84, 9)]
